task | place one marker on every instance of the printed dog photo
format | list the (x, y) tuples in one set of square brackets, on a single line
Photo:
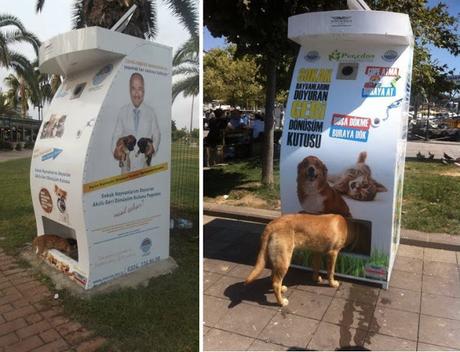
[(125, 145), (145, 146), (54, 127), (322, 234), (315, 194), (357, 182), (61, 204)]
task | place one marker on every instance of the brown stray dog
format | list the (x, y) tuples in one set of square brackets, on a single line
[(326, 234), (313, 191)]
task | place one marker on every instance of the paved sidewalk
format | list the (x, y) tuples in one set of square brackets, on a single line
[(420, 311), (32, 320), (15, 154)]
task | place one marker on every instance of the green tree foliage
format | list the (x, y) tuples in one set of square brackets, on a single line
[(432, 27), (259, 27), (230, 79)]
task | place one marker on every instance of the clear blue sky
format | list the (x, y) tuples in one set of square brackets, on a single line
[(441, 55)]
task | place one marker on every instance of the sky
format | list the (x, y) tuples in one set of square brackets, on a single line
[(442, 55), (56, 18)]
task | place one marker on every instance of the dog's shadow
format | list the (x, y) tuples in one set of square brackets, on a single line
[(256, 292), (259, 291)]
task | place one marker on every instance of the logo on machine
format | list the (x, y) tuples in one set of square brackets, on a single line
[(146, 245), (312, 56), (102, 74), (343, 56), (390, 56), (341, 21)]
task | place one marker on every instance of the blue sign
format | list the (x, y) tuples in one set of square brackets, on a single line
[(52, 154), (379, 91), (350, 134)]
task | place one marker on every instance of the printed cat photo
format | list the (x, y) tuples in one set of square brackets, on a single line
[(357, 182)]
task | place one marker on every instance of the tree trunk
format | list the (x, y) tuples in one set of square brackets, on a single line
[(267, 158)]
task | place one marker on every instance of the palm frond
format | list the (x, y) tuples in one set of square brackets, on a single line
[(39, 5), (78, 15), (10, 20), (188, 86), (149, 17), (187, 13), (187, 52), (23, 36)]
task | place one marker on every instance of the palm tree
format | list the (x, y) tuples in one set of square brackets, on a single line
[(186, 66), (5, 108), (8, 57), (143, 24), (18, 93)]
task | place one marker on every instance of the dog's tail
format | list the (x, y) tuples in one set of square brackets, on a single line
[(261, 258), (362, 157)]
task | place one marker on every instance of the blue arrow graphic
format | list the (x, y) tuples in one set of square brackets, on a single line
[(52, 154)]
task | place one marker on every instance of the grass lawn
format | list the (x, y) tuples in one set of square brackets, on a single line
[(160, 317), (430, 201)]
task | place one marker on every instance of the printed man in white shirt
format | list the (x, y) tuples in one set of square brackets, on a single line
[(137, 135)]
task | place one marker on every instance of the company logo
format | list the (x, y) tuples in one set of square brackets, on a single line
[(102, 74), (146, 245), (51, 154), (312, 56), (373, 271), (342, 56), (390, 55), (341, 21)]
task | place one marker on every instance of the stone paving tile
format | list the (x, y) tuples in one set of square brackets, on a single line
[(259, 345), (349, 313), (412, 265), (258, 293), (246, 319), (439, 255), (308, 304), (329, 337), (438, 269), (217, 266), (410, 251), (209, 279), (401, 299), (427, 347), (216, 308), (406, 280), (439, 331), (289, 330), (218, 340), (242, 271), (442, 286), (396, 323), (301, 280), (379, 342), (441, 306), (358, 292)]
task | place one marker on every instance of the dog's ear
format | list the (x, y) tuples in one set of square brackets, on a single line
[(56, 188), (301, 166), (64, 193)]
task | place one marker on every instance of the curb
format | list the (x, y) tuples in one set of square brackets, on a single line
[(408, 237)]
